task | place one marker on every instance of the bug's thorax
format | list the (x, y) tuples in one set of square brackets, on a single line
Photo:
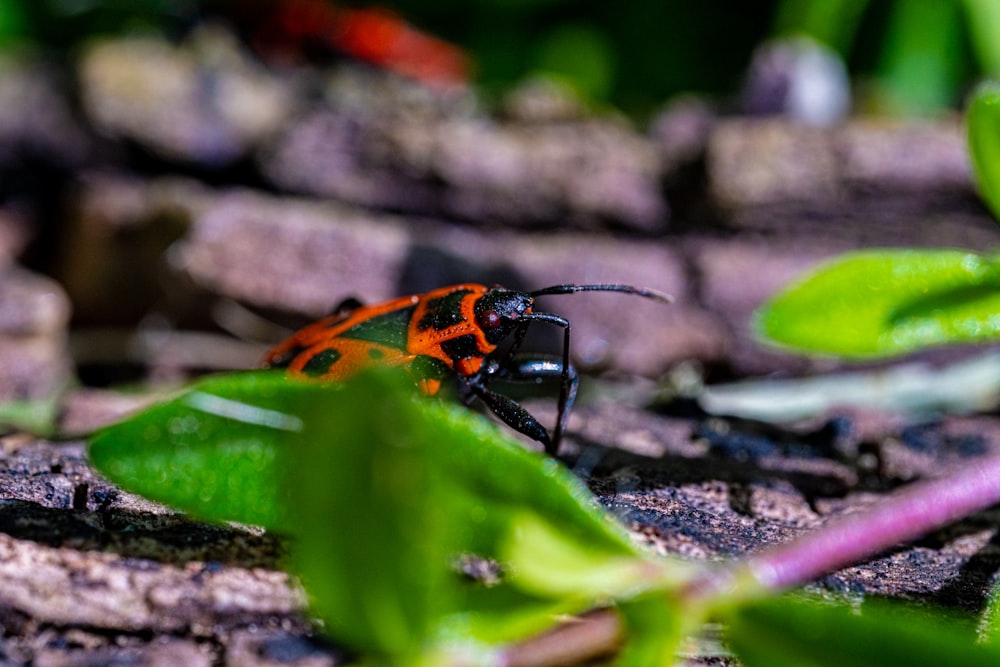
[(463, 325)]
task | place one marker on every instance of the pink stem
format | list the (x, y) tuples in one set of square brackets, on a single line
[(902, 517)]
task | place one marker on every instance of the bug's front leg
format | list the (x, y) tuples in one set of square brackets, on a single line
[(511, 413), (537, 368), (541, 369)]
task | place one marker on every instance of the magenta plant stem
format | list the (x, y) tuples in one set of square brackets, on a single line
[(907, 515)]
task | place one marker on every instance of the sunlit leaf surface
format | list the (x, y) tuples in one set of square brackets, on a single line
[(783, 632), (382, 491), (983, 126), (879, 303), (212, 451)]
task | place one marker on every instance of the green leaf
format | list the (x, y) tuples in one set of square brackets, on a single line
[(880, 303), (502, 614), (581, 56), (544, 561), (373, 543), (398, 495), (13, 25), (832, 22), (381, 490), (36, 416), (920, 62), (214, 450), (655, 625), (984, 28), (982, 119), (989, 619), (796, 632)]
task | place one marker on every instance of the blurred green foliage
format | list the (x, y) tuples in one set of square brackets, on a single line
[(649, 49), (913, 56), (982, 120), (380, 493), (880, 303)]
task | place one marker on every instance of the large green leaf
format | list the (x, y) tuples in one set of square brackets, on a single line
[(982, 120), (385, 504), (381, 491), (788, 632), (989, 619), (919, 70), (983, 20), (214, 450), (36, 416), (880, 303)]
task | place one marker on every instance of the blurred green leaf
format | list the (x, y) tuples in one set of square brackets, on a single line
[(36, 416), (382, 491), (921, 59), (792, 632), (989, 619), (879, 303), (373, 544), (982, 120), (581, 56), (547, 563), (412, 488), (655, 624), (214, 450), (832, 22), (13, 25), (983, 20)]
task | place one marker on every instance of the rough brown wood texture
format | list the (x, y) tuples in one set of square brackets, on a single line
[(172, 215)]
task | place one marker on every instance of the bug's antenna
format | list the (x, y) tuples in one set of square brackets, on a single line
[(656, 295)]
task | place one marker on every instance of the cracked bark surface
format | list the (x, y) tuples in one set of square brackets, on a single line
[(90, 574), (365, 186)]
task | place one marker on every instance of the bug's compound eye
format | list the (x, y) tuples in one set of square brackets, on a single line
[(490, 319)]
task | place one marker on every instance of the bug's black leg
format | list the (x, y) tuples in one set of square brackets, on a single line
[(512, 414), (542, 369), (537, 369), (567, 387)]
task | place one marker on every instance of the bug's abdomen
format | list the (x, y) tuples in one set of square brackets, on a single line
[(340, 358), (343, 343), (430, 335)]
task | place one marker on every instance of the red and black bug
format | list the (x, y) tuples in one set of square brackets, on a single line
[(452, 331)]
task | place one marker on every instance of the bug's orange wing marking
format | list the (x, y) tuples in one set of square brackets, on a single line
[(327, 330), (285, 352), (431, 333), (439, 325), (340, 358)]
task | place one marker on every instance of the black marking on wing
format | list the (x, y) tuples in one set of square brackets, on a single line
[(321, 363), (461, 347), (424, 367), (389, 329), (444, 311)]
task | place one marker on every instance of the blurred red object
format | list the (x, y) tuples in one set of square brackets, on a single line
[(374, 34), (384, 38)]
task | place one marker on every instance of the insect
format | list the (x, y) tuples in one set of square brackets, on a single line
[(455, 331)]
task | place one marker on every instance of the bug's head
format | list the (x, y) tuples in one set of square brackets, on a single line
[(499, 312)]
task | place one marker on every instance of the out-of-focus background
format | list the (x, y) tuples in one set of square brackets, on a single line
[(183, 183), (178, 177)]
